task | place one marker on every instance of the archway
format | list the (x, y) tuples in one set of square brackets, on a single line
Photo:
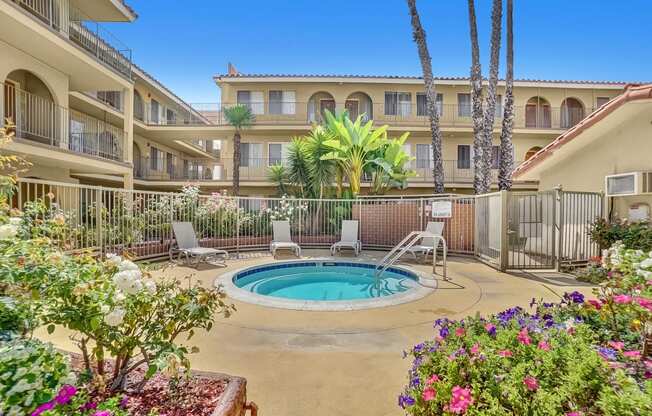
[(317, 104), (572, 111), (359, 104), (29, 105), (531, 152), (537, 113)]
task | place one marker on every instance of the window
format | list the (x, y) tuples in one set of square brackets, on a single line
[(251, 154), (424, 156), (277, 153), (463, 156), (253, 100), (422, 109), (170, 163), (171, 116), (112, 98), (282, 102), (499, 106), (464, 105), (154, 109), (600, 101), (495, 157), (398, 103), (154, 155)]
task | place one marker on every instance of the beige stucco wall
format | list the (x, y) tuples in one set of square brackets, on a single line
[(609, 148)]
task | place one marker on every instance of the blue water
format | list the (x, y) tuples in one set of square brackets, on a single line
[(329, 282)]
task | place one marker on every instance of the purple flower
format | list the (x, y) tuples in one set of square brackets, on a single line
[(65, 394), (124, 402), (88, 406), (418, 348), (405, 401), (43, 408), (103, 413), (444, 332), (415, 382), (574, 297), (607, 353)]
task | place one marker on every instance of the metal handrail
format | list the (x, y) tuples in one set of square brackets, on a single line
[(411, 240)]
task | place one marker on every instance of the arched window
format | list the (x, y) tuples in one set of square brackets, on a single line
[(358, 104), (572, 111), (533, 151), (318, 103), (537, 113)]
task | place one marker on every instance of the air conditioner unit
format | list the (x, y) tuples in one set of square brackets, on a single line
[(625, 184)]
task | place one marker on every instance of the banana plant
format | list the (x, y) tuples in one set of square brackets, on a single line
[(389, 168), (352, 145)]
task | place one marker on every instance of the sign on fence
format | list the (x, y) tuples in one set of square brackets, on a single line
[(442, 209)]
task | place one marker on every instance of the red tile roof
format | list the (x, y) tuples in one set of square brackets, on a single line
[(632, 92), (237, 74)]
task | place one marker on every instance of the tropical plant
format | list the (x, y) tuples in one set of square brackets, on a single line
[(506, 146), (321, 171), (389, 167), (299, 162), (278, 174), (351, 145), (419, 36), (240, 117)]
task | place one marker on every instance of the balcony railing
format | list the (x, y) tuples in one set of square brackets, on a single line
[(40, 120), (406, 114), (82, 31), (164, 168)]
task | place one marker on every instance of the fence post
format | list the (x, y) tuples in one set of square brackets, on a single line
[(99, 206), (504, 228), (559, 196), (237, 228)]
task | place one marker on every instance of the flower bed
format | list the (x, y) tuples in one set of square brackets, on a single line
[(577, 357)]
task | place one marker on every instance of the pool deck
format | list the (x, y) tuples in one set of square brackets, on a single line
[(346, 362)]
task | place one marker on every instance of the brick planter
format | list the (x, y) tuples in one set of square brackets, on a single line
[(233, 401)]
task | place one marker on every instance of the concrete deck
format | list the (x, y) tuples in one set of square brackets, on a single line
[(349, 362)]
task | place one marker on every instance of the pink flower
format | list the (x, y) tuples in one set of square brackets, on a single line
[(531, 383), (634, 355), (543, 345), (523, 337), (645, 303), (65, 394), (617, 345), (490, 328), (475, 348), (505, 353), (622, 299), (595, 303), (573, 414), (44, 408), (648, 363), (433, 379), (429, 394), (460, 332), (460, 400), (102, 413)]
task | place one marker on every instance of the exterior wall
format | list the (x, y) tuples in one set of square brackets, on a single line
[(624, 148)]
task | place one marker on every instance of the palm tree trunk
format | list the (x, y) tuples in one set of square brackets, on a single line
[(476, 101), (506, 145), (419, 36), (490, 109), (236, 163)]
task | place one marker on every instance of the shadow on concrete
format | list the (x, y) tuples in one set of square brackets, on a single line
[(551, 278)]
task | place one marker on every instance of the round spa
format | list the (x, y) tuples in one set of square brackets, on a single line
[(323, 285)]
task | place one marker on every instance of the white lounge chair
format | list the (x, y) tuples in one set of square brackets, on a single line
[(349, 238), (188, 245), (283, 239), (426, 244)]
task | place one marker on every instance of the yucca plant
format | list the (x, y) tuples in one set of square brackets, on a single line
[(299, 162), (352, 144), (279, 175)]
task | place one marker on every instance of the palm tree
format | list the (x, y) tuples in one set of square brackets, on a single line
[(240, 117), (506, 145), (299, 162), (419, 36), (351, 145), (321, 171), (490, 108), (476, 100), (279, 175)]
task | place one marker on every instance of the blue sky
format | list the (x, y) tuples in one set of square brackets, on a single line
[(554, 39)]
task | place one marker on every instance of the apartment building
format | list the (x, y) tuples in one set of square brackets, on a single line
[(80, 109), (83, 112)]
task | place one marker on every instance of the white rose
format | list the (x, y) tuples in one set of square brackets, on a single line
[(125, 280), (114, 259), (150, 285), (119, 297), (15, 220), (135, 287), (105, 309), (8, 231), (115, 317), (128, 265)]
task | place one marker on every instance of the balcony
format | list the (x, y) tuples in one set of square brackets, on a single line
[(455, 172), (40, 120), (82, 31), (394, 114), (175, 169)]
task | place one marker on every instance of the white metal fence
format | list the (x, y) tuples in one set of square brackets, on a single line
[(110, 220)]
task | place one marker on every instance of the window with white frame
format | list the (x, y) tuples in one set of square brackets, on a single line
[(251, 154), (464, 105), (398, 103), (282, 102), (154, 109), (253, 100), (422, 106), (277, 153)]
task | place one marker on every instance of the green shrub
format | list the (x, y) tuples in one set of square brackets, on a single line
[(637, 235)]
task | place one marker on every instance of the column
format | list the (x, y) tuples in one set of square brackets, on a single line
[(128, 104)]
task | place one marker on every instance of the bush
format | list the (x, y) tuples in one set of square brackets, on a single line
[(637, 235), (592, 273), (31, 372)]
